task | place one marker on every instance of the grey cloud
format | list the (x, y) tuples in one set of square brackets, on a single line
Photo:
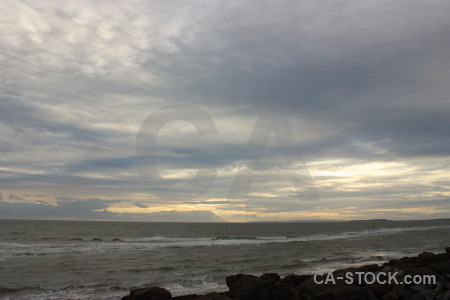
[(140, 205), (177, 216), (15, 197), (96, 209), (379, 95), (210, 202), (362, 81)]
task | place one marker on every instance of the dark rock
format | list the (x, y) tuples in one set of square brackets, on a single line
[(214, 296), (419, 288), (390, 296), (97, 239), (209, 296), (345, 293), (447, 249), (418, 296), (248, 287), (267, 287), (271, 277), (295, 279), (76, 239), (149, 293), (446, 296), (411, 270), (442, 267), (284, 291), (425, 258), (408, 260), (441, 257), (310, 290), (226, 293), (379, 290), (394, 262), (117, 240), (233, 279), (428, 294), (404, 295), (442, 283)]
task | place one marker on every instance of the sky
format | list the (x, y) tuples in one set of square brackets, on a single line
[(224, 111)]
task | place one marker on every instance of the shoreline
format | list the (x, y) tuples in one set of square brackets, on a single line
[(334, 285)]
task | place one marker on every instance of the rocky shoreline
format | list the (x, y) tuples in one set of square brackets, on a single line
[(271, 286)]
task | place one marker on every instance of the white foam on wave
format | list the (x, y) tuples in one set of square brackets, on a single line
[(204, 287), (14, 249), (224, 241)]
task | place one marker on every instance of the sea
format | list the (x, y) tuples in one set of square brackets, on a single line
[(104, 260)]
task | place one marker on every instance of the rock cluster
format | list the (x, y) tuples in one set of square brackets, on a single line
[(271, 286)]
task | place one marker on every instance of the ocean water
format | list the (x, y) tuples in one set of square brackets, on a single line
[(61, 259)]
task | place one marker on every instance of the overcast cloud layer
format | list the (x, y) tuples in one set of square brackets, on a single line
[(363, 86)]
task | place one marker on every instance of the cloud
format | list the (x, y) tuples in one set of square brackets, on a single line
[(140, 205), (96, 209), (15, 197), (360, 83)]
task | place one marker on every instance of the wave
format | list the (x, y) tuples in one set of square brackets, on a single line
[(88, 246), (103, 292), (238, 240), (201, 287), (69, 292), (235, 238)]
